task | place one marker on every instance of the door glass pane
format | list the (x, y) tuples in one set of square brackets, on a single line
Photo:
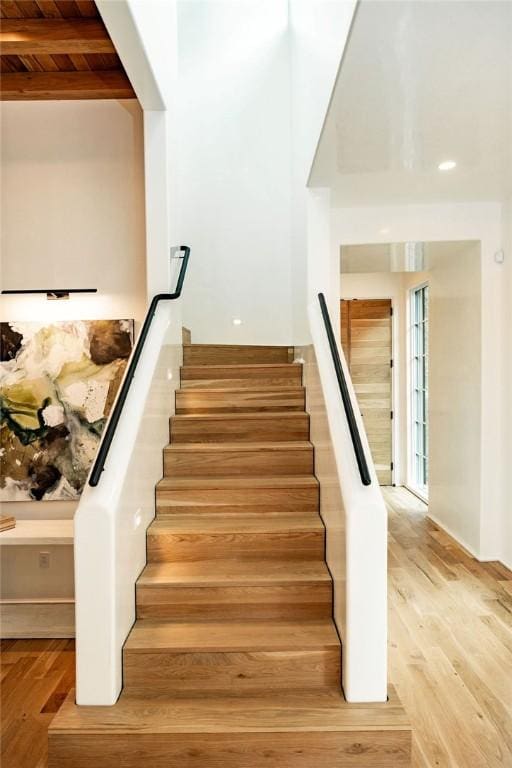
[(419, 388)]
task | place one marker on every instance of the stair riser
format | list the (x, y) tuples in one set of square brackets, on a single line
[(247, 501), (212, 354), (241, 383), (225, 672), (241, 377), (197, 401), (329, 749), (179, 547), (254, 602), (228, 463), (230, 429)]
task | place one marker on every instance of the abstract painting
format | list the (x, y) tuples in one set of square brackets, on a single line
[(58, 382)]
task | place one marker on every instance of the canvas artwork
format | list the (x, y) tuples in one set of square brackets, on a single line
[(58, 382)]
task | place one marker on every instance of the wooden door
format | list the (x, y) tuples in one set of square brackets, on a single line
[(366, 338)]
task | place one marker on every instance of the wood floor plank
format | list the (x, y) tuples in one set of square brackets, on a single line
[(38, 672), (450, 643)]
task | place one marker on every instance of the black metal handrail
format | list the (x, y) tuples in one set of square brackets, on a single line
[(115, 415), (345, 396)]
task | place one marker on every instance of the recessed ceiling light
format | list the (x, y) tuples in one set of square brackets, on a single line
[(447, 165), (384, 231), (237, 321)]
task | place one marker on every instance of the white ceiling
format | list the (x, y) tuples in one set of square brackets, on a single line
[(421, 82)]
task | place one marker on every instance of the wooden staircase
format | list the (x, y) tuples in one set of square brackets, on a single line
[(234, 659)]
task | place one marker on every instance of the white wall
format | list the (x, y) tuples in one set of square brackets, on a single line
[(318, 34), (455, 392), (472, 221), (234, 169), (255, 79), (144, 33), (72, 209), (72, 204), (145, 39), (507, 355)]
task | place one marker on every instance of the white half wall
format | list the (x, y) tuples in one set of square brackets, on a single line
[(112, 518), (356, 522)]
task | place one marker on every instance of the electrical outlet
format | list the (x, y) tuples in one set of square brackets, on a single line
[(44, 559)]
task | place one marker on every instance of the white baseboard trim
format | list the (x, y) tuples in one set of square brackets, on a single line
[(465, 546), (416, 493), (37, 618), (457, 539)]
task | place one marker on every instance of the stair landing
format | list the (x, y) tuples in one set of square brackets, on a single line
[(303, 729)]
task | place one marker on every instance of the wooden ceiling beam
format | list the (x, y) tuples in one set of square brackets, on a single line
[(17, 86), (23, 37)]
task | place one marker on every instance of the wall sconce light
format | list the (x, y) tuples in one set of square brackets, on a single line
[(53, 294)]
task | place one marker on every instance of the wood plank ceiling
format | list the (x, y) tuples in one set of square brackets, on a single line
[(58, 49)]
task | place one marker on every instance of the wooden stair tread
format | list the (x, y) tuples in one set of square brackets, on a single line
[(211, 523), (223, 483), (244, 366), (295, 711), (262, 415), (243, 347), (239, 447), (228, 427), (149, 636), (234, 573), (256, 390), (239, 375)]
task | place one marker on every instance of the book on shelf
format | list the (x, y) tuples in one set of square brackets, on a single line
[(6, 522)]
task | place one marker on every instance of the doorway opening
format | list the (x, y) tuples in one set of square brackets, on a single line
[(367, 339), (432, 344)]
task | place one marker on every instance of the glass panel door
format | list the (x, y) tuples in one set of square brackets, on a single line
[(419, 390)]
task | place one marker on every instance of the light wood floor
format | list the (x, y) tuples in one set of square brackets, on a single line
[(450, 643), (450, 655), (36, 677)]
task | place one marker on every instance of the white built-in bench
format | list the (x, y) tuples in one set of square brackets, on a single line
[(39, 533), (35, 601)]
